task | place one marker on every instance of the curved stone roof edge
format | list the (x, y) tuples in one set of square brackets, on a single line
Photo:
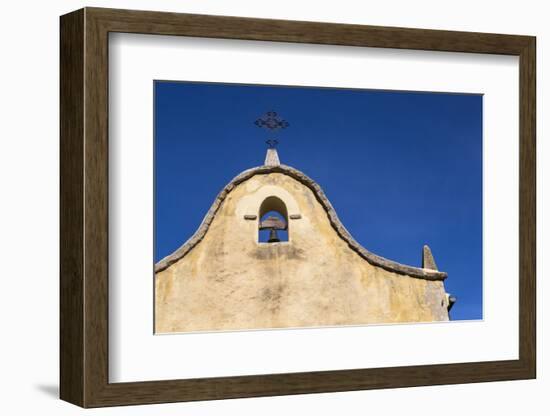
[(372, 258)]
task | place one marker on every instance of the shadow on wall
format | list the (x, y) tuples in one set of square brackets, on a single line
[(51, 390)]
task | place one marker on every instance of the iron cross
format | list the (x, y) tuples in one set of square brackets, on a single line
[(271, 121)]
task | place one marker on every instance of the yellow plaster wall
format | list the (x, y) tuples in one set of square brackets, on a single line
[(230, 281)]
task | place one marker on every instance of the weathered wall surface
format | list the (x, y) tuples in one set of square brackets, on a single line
[(230, 281)]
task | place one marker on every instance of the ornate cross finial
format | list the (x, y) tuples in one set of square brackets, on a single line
[(271, 121)]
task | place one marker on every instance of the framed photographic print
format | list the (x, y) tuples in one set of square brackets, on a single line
[(255, 207)]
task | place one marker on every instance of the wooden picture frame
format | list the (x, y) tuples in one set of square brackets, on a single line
[(84, 207)]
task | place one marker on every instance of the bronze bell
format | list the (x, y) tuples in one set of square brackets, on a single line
[(273, 237), (273, 224)]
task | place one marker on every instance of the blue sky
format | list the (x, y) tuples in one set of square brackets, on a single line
[(402, 169)]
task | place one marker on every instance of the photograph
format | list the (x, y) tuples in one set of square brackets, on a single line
[(256, 203), (280, 207)]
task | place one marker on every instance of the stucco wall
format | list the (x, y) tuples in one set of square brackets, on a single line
[(230, 281)]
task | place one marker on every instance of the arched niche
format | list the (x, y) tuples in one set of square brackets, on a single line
[(273, 225)]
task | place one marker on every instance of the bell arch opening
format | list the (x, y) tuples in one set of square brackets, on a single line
[(273, 221)]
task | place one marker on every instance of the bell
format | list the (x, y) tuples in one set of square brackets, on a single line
[(273, 237)]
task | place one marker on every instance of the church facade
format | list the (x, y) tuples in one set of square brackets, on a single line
[(308, 271)]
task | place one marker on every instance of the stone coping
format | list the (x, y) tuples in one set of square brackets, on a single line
[(372, 258)]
